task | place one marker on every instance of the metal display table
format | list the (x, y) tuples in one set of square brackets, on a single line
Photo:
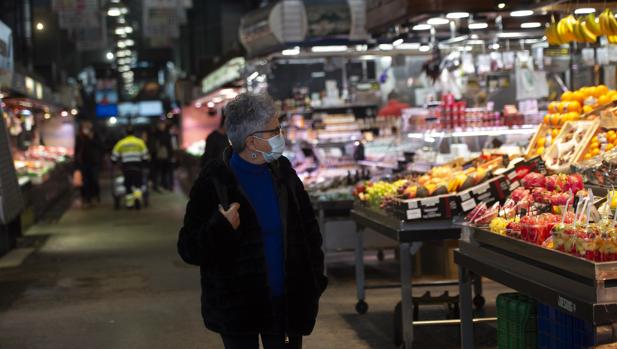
[(582, 288), (409, 236), (329, 211)]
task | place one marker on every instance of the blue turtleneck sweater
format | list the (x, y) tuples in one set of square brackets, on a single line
[(256, 181)]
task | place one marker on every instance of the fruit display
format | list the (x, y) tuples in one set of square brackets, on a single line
[(575, 105), (602, 142), (600, 170), (440, 180), (585, 29), (569, 145)]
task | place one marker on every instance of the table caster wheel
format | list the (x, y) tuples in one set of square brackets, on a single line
[(361, 307), (479, 302), (380, 256)]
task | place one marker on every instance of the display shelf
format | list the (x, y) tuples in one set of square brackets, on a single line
[(488, 131), (581, 288)]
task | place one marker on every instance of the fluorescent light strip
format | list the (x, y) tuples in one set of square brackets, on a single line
[(584, 11), (385, 47), (398, 42), (408, 46), (457, 15), (437, 21), (529, 25), (421, 27), (334, 48), (291, 52), (521, 13), (477, 25)]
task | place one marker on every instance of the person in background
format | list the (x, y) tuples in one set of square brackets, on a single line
[(132, 154), (250, 226), (216, 143), (393, 107), (162, 150), (88, 159)]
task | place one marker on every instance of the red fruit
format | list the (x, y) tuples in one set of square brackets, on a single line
[(533, 180), (574, 182), (519, 194), (559, 199), (541, 195), (551, 182)]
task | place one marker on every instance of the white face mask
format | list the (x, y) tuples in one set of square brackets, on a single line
[(277, 143)]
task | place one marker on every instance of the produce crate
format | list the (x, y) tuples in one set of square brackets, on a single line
[(559, 330), (570, 144), (516, 321)]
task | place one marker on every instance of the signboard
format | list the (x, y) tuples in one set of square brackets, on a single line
[(6, 48), (229, 72), (106, 98), (328, 18)]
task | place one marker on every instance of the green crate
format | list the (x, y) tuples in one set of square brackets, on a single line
[(516, 321)]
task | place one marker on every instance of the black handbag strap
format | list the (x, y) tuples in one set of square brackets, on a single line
[(221, 192)]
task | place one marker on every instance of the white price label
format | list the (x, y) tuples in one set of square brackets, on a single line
[(514, 185), (412, 204), (430, 202), (465, 195), (482, 188), (468, 205), (414, 214)]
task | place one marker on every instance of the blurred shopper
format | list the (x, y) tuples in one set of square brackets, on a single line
[(132, 154), (216, 143), (162, 150), (88, 159), (393, 107), (250, 226)]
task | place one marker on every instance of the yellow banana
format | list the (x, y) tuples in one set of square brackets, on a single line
[(588, 36), (593, 25), (612, 22), (612, 39), (570, 23), (604, 25), (576, 31)]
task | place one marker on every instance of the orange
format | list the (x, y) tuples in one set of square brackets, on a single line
[(574, 106), (594, 139), (595, 152), (609, 147), (566, 96), (587, 156), (595, 145), (552, 107), (554, 133), (611, 135), (602, 89), (593, 91), (604, 99), (587, 109), (555, 119), (540, 151), (561, 106), (547, 119), (541, 142), (578, 96)]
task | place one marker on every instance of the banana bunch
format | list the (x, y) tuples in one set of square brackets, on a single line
[(571, 29), (608, 23)]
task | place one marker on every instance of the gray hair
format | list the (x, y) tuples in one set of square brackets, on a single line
[(246, 114)]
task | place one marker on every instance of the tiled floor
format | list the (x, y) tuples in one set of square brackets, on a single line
[(112, 279)]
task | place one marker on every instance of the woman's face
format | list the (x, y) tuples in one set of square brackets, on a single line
[(259, 139)]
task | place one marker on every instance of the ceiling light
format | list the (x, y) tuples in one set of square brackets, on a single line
[(457, 15), (424, 48), (334, 48), (128, 29), (291, 51), (64, 113), (121, 20), (495, 46), (475, 42), (529, 25), (47, 116), (584, 11), (421, 27), (40, 26), (128, 73), (74, 111), (124, 10), (398, 42), (385, 47), (119, 31), (522, 13), (129, 42), (510, 35), (113, 120), (121, 44), (124, 68), (113, 12), (211, 104), (437, 21), (477, 25), (408, 46), (109, 56), (501, 5)]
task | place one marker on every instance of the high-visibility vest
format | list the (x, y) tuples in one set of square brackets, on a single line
[(130, 149)]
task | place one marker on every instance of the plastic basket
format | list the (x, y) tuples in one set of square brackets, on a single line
[(557, 329), (516, 321)]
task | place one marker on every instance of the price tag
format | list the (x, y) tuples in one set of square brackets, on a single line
[(612, 53), (482, 188), (430, 201), (412, 204), (465, 195), (602, 55), (414, 214), (514, 185), (468, 205)]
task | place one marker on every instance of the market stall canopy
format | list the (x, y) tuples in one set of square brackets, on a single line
[(296, 22)]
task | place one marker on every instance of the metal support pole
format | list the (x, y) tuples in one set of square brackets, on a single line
[(465, 308), (359, 264), (406, 295)]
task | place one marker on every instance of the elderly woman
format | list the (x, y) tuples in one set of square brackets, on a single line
[(251, 228)]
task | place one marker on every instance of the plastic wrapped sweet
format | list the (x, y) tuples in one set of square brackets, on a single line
[(533, 180), (478, 210), (487, 216)]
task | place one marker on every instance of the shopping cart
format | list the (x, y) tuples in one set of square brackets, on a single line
[(118, 191)]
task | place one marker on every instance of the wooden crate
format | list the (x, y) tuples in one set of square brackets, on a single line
[(570, 154), (531, 148)]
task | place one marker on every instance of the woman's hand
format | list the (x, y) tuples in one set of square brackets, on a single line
[(232, 215)]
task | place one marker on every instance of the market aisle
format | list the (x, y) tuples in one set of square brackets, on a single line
[(112, 279)]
